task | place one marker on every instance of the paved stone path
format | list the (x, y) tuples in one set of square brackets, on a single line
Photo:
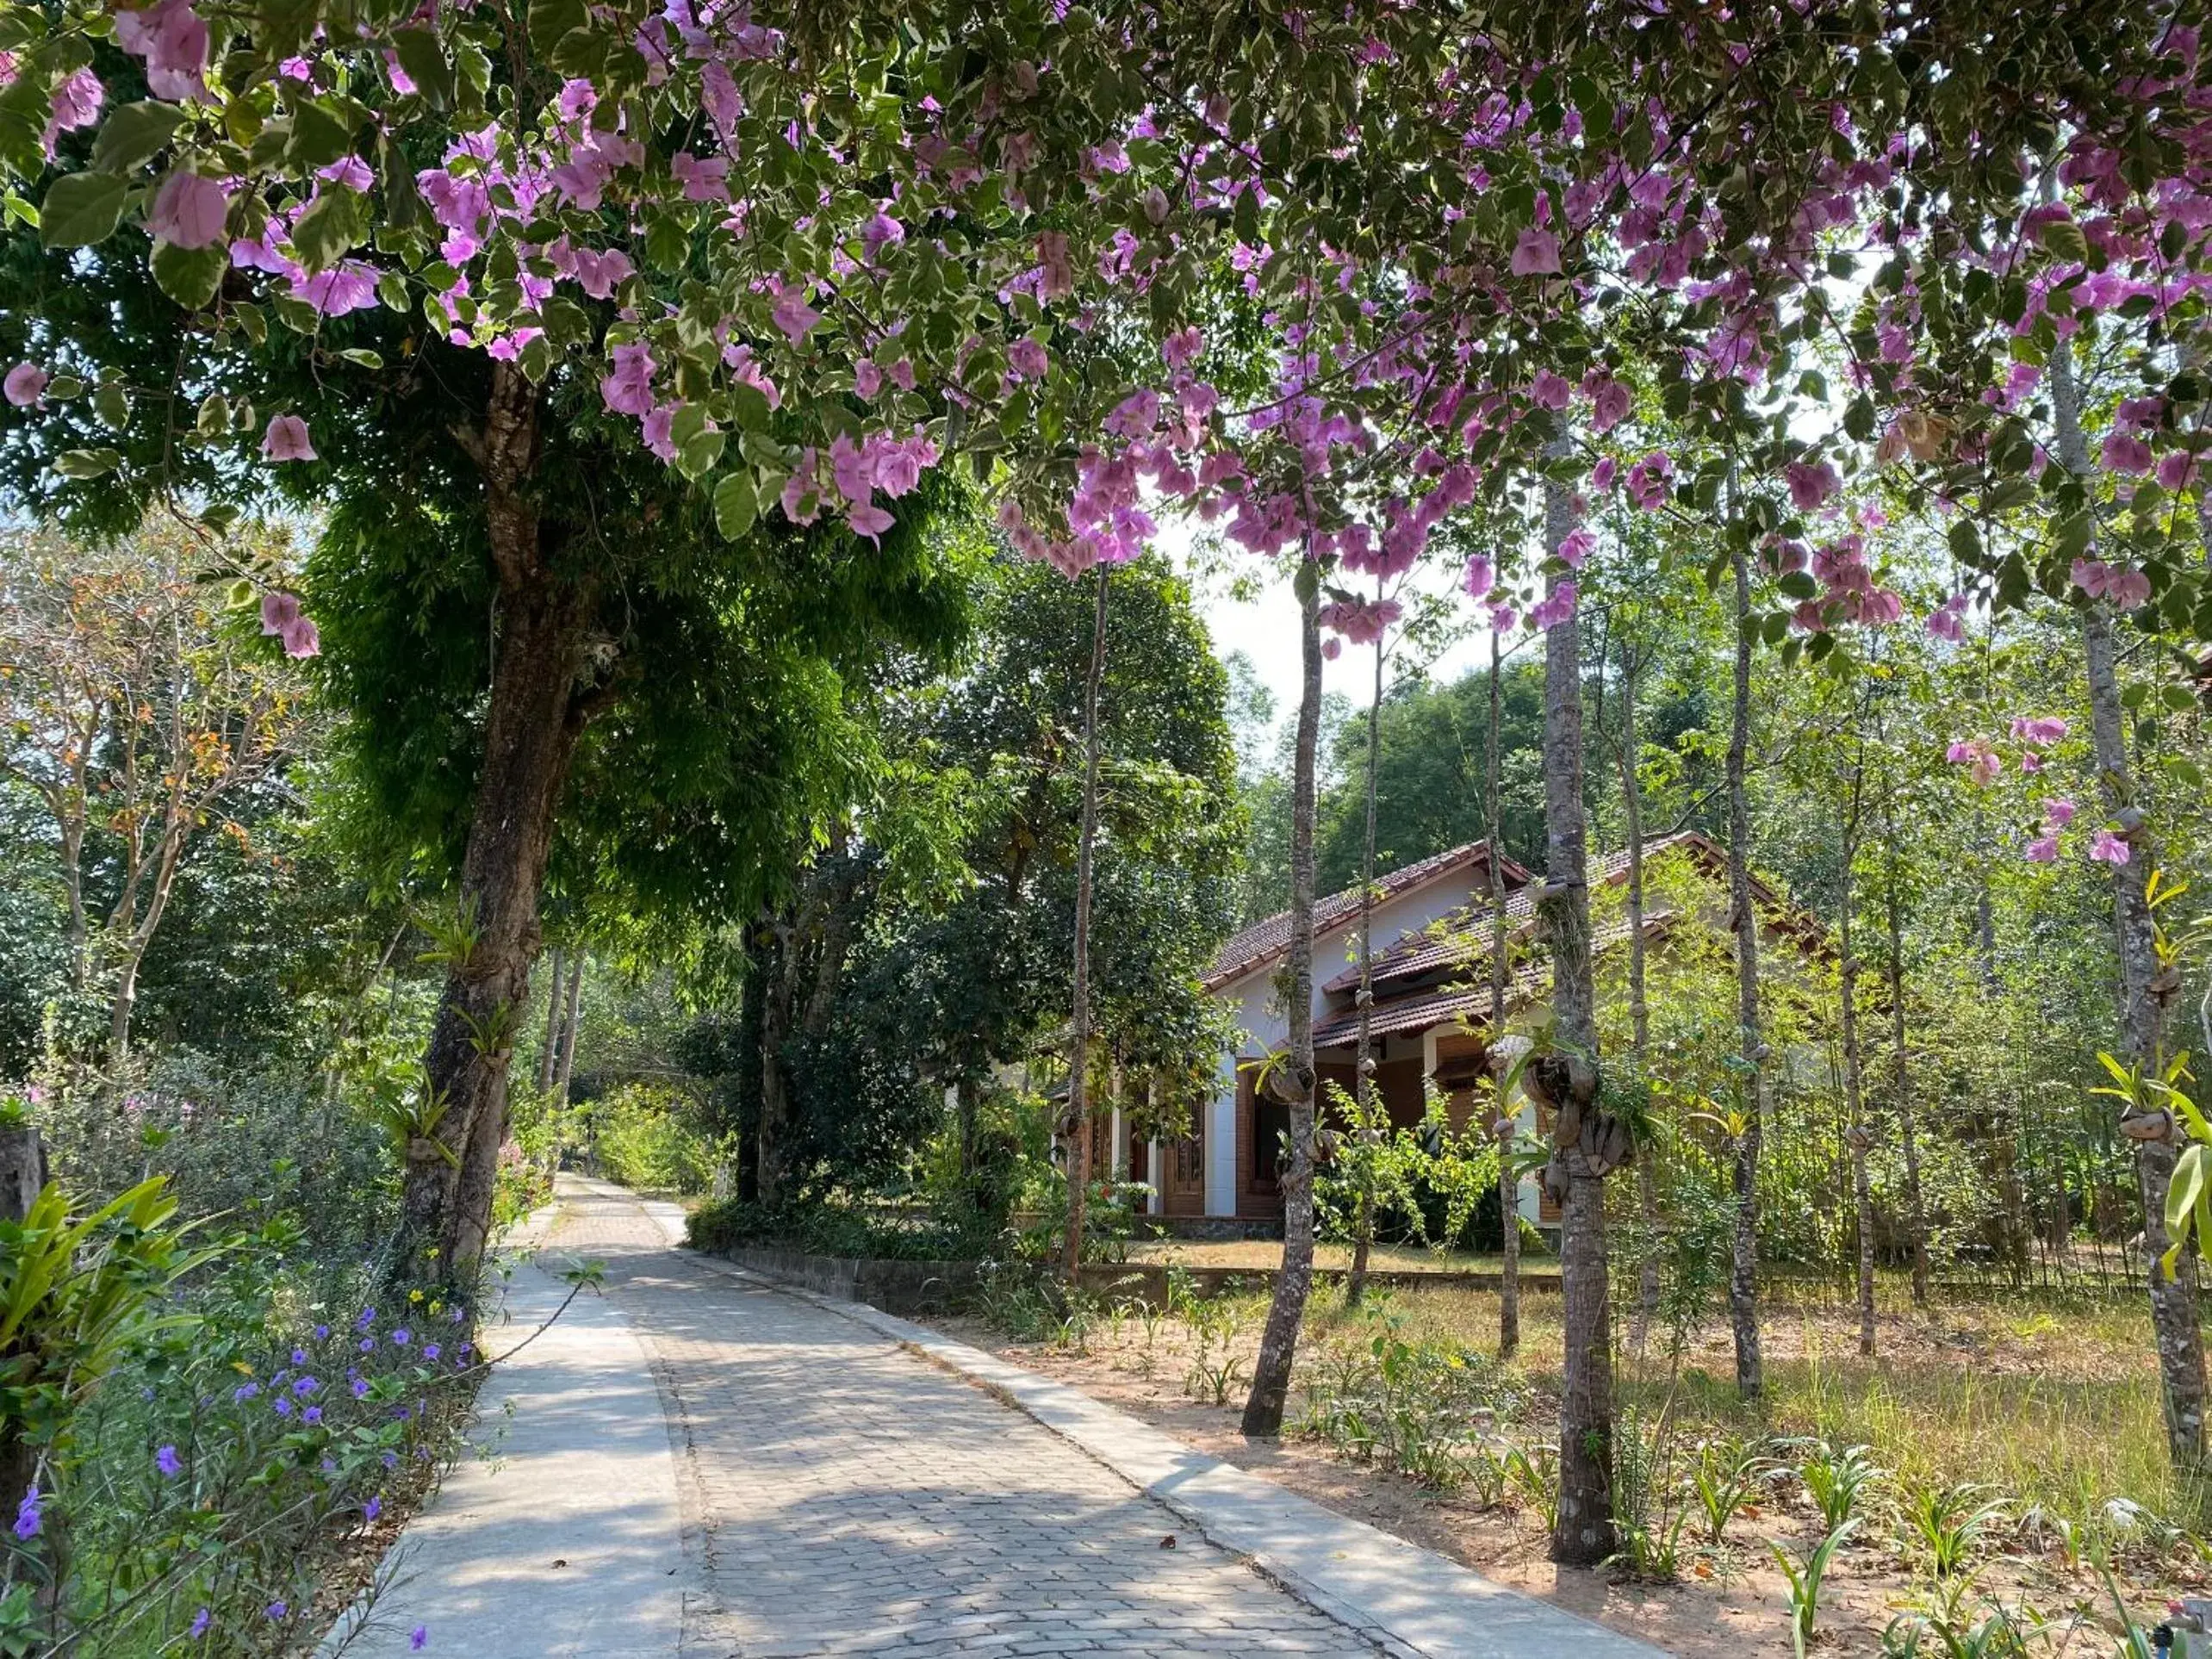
[(842, 1495)]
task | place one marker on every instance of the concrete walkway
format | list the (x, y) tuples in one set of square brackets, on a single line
[(838, 1493)]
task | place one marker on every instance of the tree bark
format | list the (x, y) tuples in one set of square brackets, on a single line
[(141, 938), (1858, 1135), (532, 721), (1743, 1259), (1078, 1069), (775, 1025), (2174, 1325), (575, 1004), (1362, 1233), (1508, 1176), (1271, 1381), (1915, 1212), (549, 1055), (1639, 1009), (1585, 1143)]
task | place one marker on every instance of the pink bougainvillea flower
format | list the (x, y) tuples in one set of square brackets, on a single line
[(1577, 547), (791, 313), (1811, 483), (1947, 622), (868, 380), (282, 618), (1181, 349), (1549, 391), (1479, 578), (2044, 849), (287, 439), (2058, 813), (173, 39), (1553, 608), (1608, 406), (26, 385), (2124, 452), (1602, 475), (2039, 728), (1028, 359), (1536, 254), (188, 211), (1648, 479), (2108, 847), (660, 431), (1982, 762), (629, 389)]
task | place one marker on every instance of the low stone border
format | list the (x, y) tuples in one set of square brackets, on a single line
[(1412, 1603)]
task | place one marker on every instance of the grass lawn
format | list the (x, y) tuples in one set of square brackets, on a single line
[(1267, 1253)]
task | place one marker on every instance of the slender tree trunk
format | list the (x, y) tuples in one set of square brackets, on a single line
[(1586, 1144), (1743, 1263), (1508, 1176), (569, 1030), (22, 1174), (2142, 995), (1278, 1343), (1079, 1070), (1860, 1138), (773, 1134), (1916, 1211), (1639, 1011), (1363, 1235), (140, 938), (550, 1056), (534, 716)]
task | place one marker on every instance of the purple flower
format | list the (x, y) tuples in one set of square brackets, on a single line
[(312, 1415), (371, 1509), (276, 1611), (360, 1387), (368, 1318), (283, 1406), (28, 1519), (299, 1356), (165, 1460), (418, 1638), (244, 1392), (306, 1386), (201, 1620), (368, 1344), (401, 1336), (1536, 254), (26, 384), (430, 1351), (456, 1315), (322, 1333)]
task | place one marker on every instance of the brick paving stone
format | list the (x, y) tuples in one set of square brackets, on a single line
[(844, 1496)]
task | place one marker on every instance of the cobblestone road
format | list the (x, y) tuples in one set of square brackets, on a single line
[(843, 1495)]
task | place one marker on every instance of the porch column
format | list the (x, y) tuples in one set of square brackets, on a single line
[(1221, 1143), (1155, 1152), (1117, 1161)]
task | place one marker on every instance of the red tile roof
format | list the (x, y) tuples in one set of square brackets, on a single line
[(1263, 942)]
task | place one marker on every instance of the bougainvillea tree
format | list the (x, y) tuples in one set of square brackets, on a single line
[(812, 252)]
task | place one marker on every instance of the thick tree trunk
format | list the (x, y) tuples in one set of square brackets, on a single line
[(550, 1053), (1363, 1227), (2180, 1337), (1585, 1144), (1078, 1124), (1278, 1343), (1916, 1210), (531, 724), (1639, 1009), (1508, 1176), (1860, 1138), (1744, 1258)]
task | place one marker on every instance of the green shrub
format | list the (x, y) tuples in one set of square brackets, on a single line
[(646, 1139)]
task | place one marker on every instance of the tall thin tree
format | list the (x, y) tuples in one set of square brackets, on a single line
[(1639, 1009), (1278, 1342), (1856, 1133), (1363, 1237), (1508, 1170), (1586, 1142), (1078, 1068), (2173, 1293), (550, 1056), (1744, 1258)]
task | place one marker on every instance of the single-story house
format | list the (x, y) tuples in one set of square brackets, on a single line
[(1430, 1021)]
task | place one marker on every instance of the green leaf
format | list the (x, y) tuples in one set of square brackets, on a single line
[(81, 210), (735, 505), (422, 55), (320, 135), (697, 458), (2064, 239), (87, 463), (2184, 1192), (363, 355), (331, 228), (113, 405), (132, 134), (1966, 542), (189, 276), (1800, 584), (551, 19)]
